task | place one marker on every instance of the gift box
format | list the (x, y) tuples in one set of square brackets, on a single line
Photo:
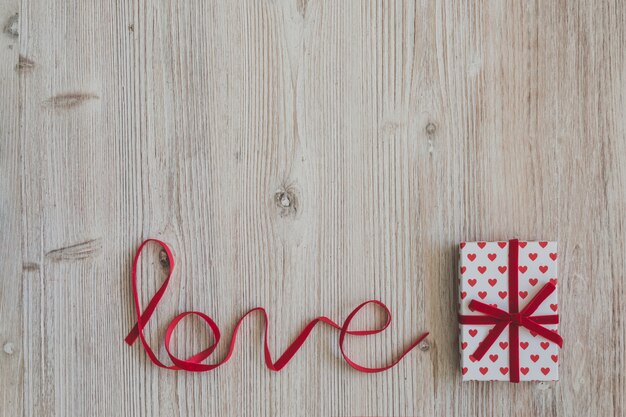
[(508, 311)]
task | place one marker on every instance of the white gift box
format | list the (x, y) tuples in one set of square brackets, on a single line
[(484, 276)]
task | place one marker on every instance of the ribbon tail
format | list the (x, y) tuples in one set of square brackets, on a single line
[(541, 296), (491, 338), (142, 319), (543, 332), (345, 331), (549, 319), (493, 315)]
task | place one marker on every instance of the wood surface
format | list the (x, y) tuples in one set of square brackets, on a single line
[(303, 155)]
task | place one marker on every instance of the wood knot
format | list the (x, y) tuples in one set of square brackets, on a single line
[(431, 128), (302, 5), (543, 385), (83, 250), (69, 100), (25, 64), (424, 346), (8, 348), (30, 266), (164, 260), (287, 202), (11, 28)]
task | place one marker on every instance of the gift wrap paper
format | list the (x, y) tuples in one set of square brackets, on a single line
[(484, 277)]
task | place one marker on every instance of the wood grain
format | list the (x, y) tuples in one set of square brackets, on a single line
[(303, 155)]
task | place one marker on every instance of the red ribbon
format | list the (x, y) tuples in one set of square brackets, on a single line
[(513, 318), (194, 363)]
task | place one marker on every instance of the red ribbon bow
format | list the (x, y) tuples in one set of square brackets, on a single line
[(513, 318)]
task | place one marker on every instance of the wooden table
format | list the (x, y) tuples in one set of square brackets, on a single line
[(303, 156)]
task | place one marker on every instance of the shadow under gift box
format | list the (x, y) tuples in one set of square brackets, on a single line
[(484, 277)]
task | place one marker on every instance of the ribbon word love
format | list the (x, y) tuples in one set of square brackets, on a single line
[(513, 318), (195, 362)]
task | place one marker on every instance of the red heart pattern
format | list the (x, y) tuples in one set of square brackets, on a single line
[(483, 276)]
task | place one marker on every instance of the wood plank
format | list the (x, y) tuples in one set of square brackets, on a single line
[(12, 339), (304, 155)]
